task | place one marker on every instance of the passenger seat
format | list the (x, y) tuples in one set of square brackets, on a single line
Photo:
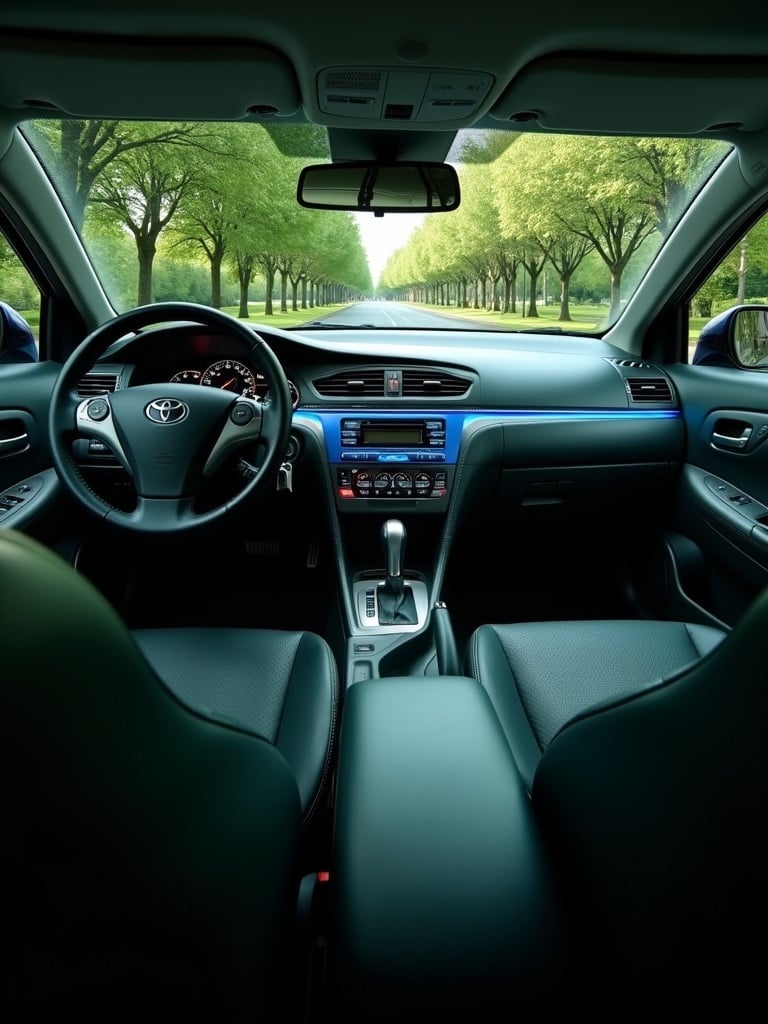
[(539, 675)]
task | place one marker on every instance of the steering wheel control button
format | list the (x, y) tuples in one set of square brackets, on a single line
[(241, 414), (98, 409)]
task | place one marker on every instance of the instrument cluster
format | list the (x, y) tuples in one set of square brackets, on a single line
[(232, 375)]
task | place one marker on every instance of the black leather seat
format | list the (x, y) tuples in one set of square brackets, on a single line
[(279, 685), (155, 789), (647, 749), (539, 675)]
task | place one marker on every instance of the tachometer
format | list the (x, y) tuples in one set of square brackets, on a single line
[(230, 375), (186, 377)]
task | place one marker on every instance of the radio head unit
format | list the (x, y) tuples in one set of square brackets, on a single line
[(411, 434), (392, 457)]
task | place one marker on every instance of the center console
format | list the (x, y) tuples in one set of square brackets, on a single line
[(391, 473), (441, 890), (402, 458)]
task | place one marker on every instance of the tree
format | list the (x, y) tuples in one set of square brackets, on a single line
[(84, 150), (143, 192), (730, 282), (669, 168), (528, 195), (230, 212)]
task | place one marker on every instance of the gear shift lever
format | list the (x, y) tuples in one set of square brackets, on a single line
[(396, 603), (393, 537)]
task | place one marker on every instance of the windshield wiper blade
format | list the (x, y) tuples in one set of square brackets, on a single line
[(325, 326)]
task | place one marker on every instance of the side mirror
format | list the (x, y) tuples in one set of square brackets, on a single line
[(736, 337), (17, 342), (380, 188)]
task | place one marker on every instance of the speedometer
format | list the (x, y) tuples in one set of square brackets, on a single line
[(230, 375)]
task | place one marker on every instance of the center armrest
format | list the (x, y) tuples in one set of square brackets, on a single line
[(439, 876)]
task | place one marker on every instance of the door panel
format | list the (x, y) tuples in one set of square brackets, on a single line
[(25, 392), (28, 485), (722, 499)]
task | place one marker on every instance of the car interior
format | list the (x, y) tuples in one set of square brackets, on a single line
[(409, 668)]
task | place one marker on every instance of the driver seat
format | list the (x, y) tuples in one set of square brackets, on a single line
[(153, 850)]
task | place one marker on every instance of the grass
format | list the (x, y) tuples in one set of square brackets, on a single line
[(290, 318), (255, 310), (587, 318)]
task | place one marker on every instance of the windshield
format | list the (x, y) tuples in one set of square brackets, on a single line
[(551, 232)]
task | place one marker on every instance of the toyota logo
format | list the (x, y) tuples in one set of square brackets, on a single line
[(167, 410)]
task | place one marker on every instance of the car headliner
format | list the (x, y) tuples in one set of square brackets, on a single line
[(594, 69)]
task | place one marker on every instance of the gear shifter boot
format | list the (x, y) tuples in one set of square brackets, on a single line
[(396, 606)]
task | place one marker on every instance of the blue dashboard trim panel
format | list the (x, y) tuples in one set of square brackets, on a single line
[(455, 421)]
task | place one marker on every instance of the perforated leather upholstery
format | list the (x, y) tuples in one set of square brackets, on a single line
[(279, 685), (541, 674)]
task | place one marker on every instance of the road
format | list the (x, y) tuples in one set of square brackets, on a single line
[(393, 314)]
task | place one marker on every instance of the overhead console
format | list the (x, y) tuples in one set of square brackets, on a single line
[(448, 98)]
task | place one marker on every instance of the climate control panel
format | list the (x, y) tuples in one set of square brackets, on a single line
[(401, 460), (408, 482)]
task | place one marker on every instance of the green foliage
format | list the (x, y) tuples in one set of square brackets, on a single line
[(306, 142), (556, 200), (16, 286), (208, 212), (182, 281)]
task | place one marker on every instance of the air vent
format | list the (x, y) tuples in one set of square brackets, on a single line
[(648, 389), (97, 384), (351, 382), (637, 364), (423, 383)]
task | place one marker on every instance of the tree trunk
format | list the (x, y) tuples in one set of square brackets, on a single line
[(244, 272), (565, 284), (615, 294), (507, 292), (533, 309), (216, 281), (283, 291), (495, 294), (146, 252), (742, 290), (269, 284)]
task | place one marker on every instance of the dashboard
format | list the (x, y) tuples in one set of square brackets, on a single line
[(394, 415)]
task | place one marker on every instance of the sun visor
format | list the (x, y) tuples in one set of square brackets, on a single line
[(636, 95), (130, 79)]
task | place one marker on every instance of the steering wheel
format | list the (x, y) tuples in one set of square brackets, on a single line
[(171, 438)]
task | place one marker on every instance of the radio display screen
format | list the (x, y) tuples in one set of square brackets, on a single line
[(392, 435)]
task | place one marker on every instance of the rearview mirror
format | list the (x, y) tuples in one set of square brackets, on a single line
[(380, 188)]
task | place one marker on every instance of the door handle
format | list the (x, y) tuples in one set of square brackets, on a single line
[(14, 445), (733, 442)]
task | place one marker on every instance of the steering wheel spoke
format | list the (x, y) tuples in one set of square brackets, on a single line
[(93, 418), (171, 438), (154, 515), (243, 426)]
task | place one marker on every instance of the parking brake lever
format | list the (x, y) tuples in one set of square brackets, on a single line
[(448, 663)]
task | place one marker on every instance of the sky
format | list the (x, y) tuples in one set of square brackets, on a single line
[(383, 235)]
